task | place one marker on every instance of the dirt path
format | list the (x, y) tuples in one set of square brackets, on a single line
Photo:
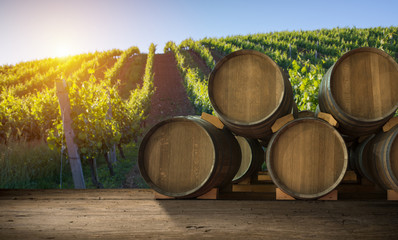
[(216, 55), (170, 98), (200, 62), (133, 214)]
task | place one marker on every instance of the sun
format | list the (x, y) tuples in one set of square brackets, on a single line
[(62, 51)]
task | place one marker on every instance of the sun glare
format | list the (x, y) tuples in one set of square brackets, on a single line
[(62, 51)]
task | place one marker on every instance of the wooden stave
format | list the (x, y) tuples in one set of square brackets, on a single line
[(350, 125), (221, 174), (260, 129), (257, 159), (282, 186), (379, 155), (360, 159)]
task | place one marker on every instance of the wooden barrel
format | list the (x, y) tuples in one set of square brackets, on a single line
[(185, 157), (360, 159), (305, 114), (307, 158), (361, 91), (377, 159), (249, 92), (252, 158)]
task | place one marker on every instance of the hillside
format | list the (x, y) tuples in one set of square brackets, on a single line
[(109, 108)]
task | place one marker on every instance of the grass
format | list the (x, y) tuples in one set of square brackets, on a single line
[(28, 165), (34, 166)]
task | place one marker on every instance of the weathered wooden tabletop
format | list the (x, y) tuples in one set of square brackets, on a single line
[(134, 214)]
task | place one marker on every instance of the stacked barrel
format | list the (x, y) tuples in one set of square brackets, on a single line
[(307, 157)]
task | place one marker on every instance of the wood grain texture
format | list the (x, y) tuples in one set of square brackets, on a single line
[(249, 92), (248, 87), (280, 122), (129, 214), (187, 156), (212, 119), (364, 84), (392, 195), (307, 158), (383, 155), (390, 124), (328, 118), (361, 91)]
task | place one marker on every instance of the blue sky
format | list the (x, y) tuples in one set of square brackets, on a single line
[(47, 28)]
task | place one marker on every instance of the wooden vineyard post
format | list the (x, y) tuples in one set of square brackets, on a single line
[(112, 151), (74, 158)]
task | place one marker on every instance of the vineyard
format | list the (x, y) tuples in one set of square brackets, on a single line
[(110, 97)]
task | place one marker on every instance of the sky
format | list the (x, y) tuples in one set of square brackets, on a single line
[(37, 29)]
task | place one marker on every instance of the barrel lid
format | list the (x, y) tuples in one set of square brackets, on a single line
[(307, 158), (247, 157), (246, 87), (364, 84), (177, 156)]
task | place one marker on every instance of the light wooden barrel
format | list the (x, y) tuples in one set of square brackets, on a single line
[(249, 92), (185, 157), (377, 159), (361, 91), (252, 158), (307, 158)]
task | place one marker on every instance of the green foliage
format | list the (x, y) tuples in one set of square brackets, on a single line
[(307, 55), (195, 84), (28, 165), (305, 79)]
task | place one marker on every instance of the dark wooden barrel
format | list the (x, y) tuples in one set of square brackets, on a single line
[(377, 159), (252, 158), (249, 92), (360, 159), (185, 157), (361, 91), (307, 158), (305, 114)]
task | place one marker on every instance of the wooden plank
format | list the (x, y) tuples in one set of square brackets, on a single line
[(245, 181), (281, 195), (211, 195), (128, 218), (213, 120), (390, 124), (328, 118), (74, 158), (159, 196), (267, 188), (349, 177), (330, 196), (392, 195), (280, 122)]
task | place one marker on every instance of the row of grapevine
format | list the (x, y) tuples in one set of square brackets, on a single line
[(306, 55), (31, 115), (100, 117), (195, 83)]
